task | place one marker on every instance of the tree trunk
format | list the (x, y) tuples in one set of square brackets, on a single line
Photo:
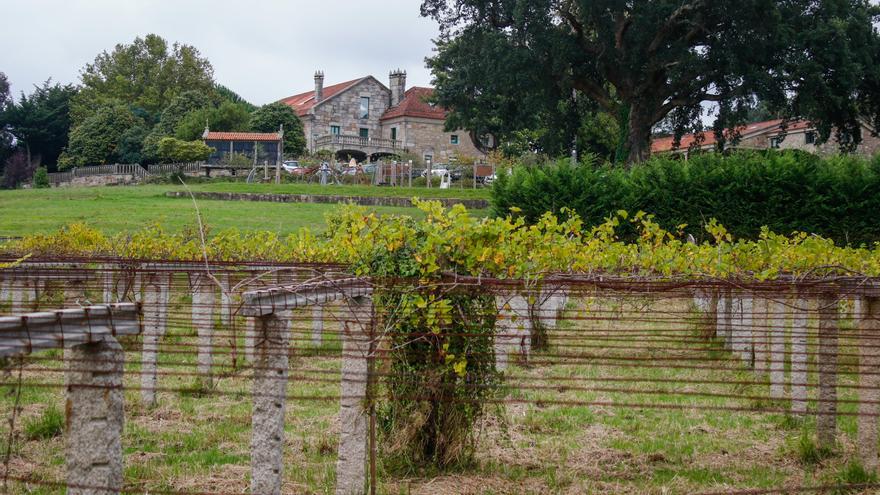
[(638, 138)]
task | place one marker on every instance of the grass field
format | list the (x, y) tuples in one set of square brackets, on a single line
[(200, 441), (120, 209)]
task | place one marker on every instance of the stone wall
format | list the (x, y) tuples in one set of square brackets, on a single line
[(101, 180), (325, 199)]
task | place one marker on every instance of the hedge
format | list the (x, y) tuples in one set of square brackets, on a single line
[(836, 197)]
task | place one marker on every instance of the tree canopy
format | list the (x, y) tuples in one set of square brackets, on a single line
[(505, 65), (269, 117), (40, 121), (146, 74)]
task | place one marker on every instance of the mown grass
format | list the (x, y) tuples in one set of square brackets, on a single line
[(201, 441), (125, 209)]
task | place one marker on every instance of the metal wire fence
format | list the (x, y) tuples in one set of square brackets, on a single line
[(230, 378)]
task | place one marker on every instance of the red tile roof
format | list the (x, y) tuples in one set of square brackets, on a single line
[(240, 136), (304, 102), (659, 145), (415, 104)]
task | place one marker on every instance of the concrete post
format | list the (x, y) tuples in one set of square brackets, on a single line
[(269, 396), (108, 285), (776, 322), (826, 423), (317, 324), (18, 290), (760, 332), (512, 329), (155, 312), (5, 284), (225, 301), (799, 357), (202, 289), (93, 442), (868, 315), (725, 314), (351, 465), (250, 338)]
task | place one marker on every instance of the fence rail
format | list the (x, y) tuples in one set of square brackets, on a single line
[(171, 168)]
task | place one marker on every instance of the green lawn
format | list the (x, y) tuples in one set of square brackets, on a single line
[(404, 192), (121, 209)]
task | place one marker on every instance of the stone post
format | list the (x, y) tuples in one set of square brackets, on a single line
[(225, 301), (512, 329), (760, 332), (19, 289), (317, 324), (799, 357), (826, 423), (203, 290), (5, 284), (725, 318), (351, 465), (776, 323), (868, 317), (93, 442), (155, 312), (250, 338), (269, 396), (108, 285)]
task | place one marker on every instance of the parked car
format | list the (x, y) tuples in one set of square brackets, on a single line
[(489, 179), (292, 167), (436, 172)]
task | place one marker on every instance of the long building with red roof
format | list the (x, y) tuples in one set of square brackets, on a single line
[(364, 119), (769, 134)]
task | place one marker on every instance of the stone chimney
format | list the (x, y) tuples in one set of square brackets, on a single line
[(397, 82), (319, 86)]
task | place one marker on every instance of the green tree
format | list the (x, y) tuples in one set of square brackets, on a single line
[(146, 74), (96, 140), (41, 178), (499, 62), (227, 117), (269, 117), (6, 139), (177, 151), (41, 121)]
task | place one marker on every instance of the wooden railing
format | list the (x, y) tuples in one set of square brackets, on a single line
[(358, 142)]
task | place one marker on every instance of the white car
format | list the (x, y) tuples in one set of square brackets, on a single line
[(291, 167), (436, 172)]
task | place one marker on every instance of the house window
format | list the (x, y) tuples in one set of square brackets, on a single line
[(365, 107), (810, 137), (774, 142), (453, 139), (334, 129), (429, 158), (364, 132), (394, 133)]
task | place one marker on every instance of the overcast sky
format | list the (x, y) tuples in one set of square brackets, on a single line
[(262, 49)]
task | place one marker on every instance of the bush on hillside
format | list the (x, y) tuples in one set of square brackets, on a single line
[(836, 197)]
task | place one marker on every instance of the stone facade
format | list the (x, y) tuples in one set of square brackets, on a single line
[(426, 138), (343, 110), (398, 120)]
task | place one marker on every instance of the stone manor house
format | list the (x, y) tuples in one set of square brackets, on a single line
[(366, 120)]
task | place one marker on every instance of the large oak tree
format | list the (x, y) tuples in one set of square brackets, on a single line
[(499, 63)]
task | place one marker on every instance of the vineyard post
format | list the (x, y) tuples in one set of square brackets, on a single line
[(5, 284), (869, 380), (799, 355), (776, 323), (108, 284), (712, 314), (155, 313), (202, 290), (95, 412), (317, 324), (760, 332), (826, 423), (269, 396), (351, 464)]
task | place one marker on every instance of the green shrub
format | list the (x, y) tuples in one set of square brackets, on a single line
[(177, 151), (854, 474), (787, 191), (48, 425), (41, 178)]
